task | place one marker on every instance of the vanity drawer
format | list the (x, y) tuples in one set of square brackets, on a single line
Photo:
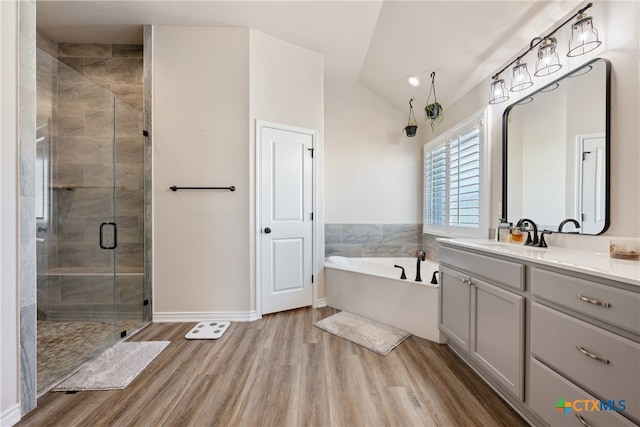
[(615, 306), (494, 270), (547, 387), (555, 338)]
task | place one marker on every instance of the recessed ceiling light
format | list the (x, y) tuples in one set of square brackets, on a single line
[(413, 81)]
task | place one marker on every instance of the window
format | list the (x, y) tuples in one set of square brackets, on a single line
[(454, 181)]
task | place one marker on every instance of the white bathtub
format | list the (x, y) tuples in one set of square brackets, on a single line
[(372, 287)]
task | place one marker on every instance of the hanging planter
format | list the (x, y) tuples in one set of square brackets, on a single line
[(434, 110), (411, 128)]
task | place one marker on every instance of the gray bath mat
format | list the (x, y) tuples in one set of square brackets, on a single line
[(115, 368), (368, 333)]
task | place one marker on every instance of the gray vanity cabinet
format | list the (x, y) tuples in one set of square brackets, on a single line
[(484, 320), (497, 338), (547, 386), (575, 335), (545, 336), (455, 307)]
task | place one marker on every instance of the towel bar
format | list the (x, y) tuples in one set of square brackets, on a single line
[(174, 188)]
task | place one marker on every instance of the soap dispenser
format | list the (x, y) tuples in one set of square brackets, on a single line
[(503, 232)]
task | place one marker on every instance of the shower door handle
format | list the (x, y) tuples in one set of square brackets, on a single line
[(115, 235)]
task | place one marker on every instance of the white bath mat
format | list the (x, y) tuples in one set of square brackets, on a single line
[(208, 330), (363, 331), (115, 368)]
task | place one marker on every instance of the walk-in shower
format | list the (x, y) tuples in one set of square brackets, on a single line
[(89, 204)]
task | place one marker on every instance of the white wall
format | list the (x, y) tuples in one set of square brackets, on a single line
[(287, 87), (210, 85), (373, 171), (9, 347), (623, 50), (200, 138)]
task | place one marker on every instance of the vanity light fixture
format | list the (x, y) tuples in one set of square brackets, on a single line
[(521, 79), (548, 60), (499, 92), (584, 38)]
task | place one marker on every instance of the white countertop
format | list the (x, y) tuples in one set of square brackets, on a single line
[(587, 262)]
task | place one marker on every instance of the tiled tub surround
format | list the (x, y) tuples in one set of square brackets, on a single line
[(74, 275), (376, 240)]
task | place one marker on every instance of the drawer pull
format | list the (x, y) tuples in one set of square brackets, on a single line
[(467, 281), (594, 301), (593, 356), (582, 420)]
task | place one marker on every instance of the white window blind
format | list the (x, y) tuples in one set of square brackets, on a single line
[(435, 185), (453, 179), (464, 179)]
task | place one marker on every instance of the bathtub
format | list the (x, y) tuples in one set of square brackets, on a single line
[(371, 287)]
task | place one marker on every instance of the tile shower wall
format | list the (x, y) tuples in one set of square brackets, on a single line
[(82, 125), (373, 240)]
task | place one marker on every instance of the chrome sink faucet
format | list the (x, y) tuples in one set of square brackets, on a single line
[(421, 257)]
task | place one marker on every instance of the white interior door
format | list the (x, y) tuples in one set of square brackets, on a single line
[(593, 184), (286, 217)]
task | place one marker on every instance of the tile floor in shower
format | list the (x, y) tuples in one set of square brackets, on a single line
[(64, 346)]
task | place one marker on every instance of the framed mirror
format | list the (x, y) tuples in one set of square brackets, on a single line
[(555, 158)]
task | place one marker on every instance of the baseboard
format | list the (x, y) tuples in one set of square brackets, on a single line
[(10, 416), (187, 317), (321, 302)]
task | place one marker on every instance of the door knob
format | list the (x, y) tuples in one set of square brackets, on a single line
[(267, 230)]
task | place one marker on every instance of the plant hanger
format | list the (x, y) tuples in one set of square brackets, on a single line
[(434, 110), (412, 117), (411, 126), (432, 90)]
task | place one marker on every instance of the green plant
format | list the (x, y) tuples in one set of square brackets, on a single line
[(435, 114), (434, 111)]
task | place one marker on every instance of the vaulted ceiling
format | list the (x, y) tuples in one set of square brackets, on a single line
[(375, 43)]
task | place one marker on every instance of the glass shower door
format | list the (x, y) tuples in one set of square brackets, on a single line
[(91, 207), (130, 211), (77, 227)]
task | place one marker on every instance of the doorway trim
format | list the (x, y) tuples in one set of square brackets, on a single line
[(578, 184), (261, 124)]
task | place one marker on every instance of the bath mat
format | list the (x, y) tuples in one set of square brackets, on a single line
[(209, 330), (115, 368), (365, 332)]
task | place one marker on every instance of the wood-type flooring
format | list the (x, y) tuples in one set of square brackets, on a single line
[(282, 371)]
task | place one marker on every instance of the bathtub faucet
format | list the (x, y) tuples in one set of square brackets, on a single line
[(421, 257), (402, 276)]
